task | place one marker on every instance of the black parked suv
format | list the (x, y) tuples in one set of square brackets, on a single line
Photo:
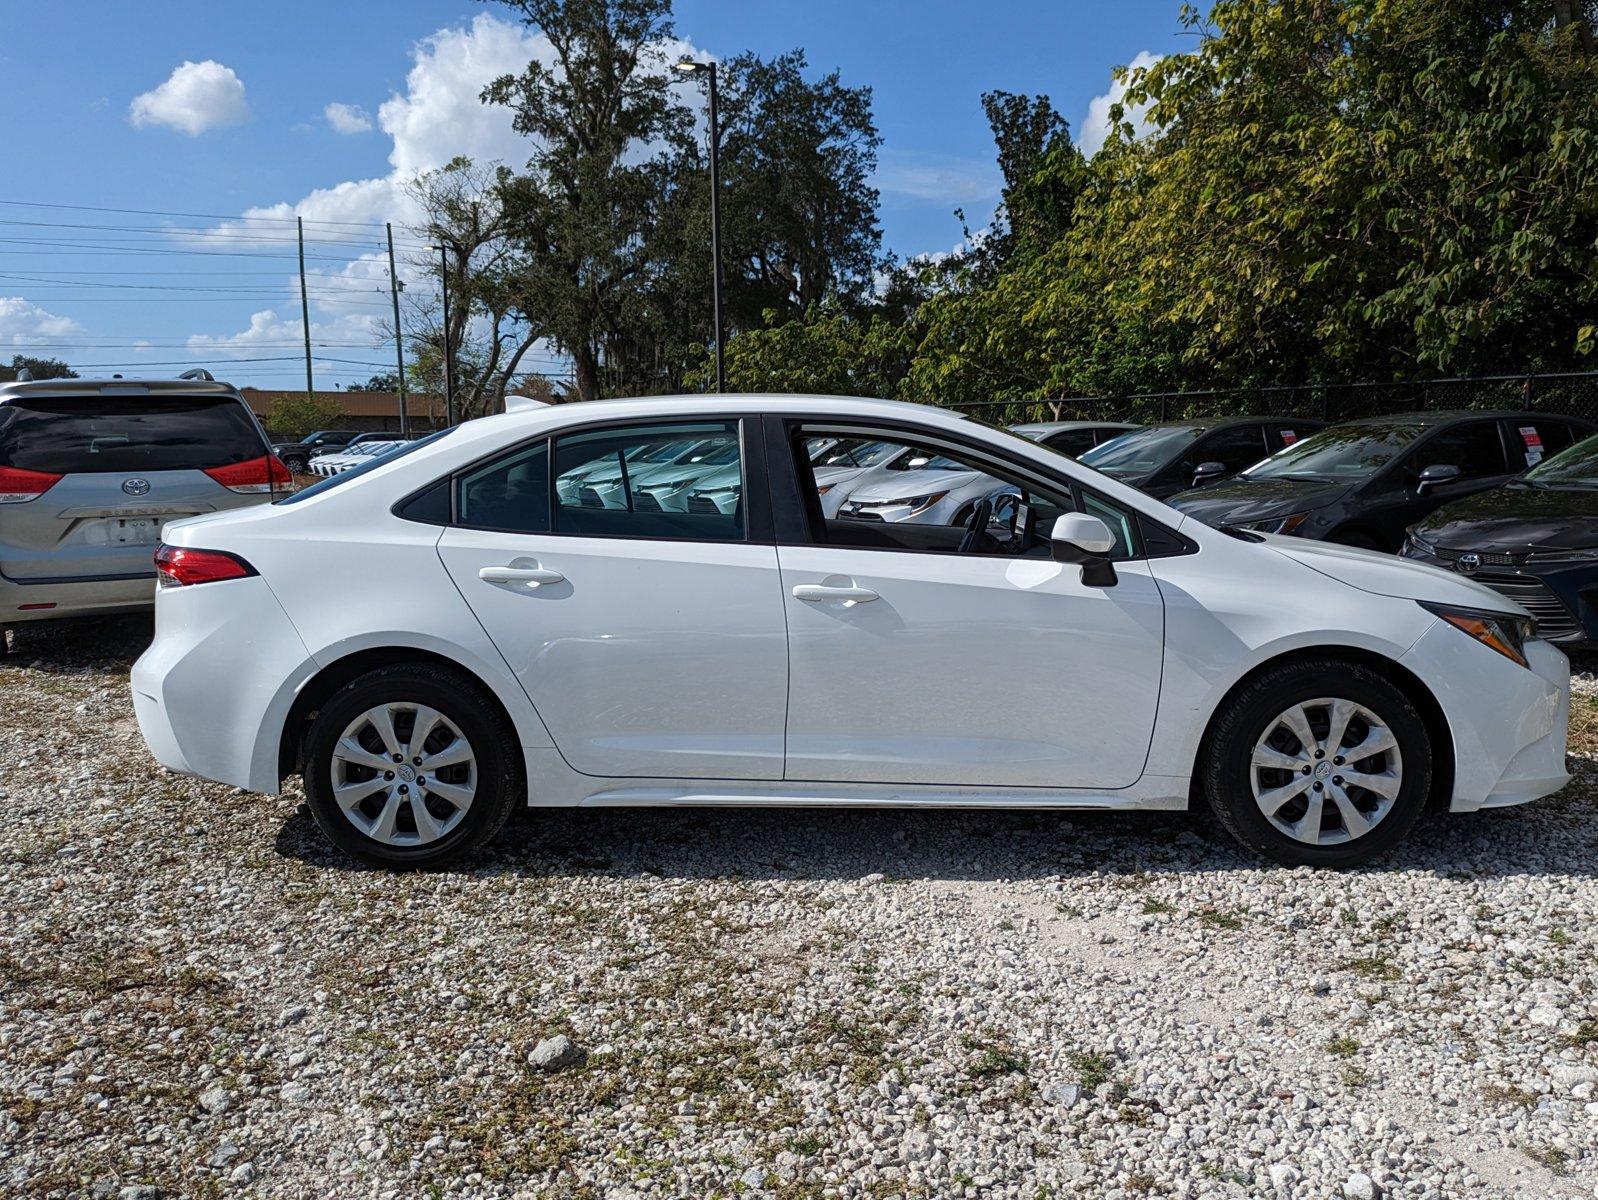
[(1535, 540), (297, 455), (1171, 457), (1366, 482)]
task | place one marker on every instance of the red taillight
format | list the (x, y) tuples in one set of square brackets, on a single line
[(182, 565), (17, 485), (265, 474)]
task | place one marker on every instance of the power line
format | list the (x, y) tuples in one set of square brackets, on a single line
[(153, 212)]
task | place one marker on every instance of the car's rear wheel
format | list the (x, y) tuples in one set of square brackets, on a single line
[(411, 766), (297, 463), (1319, 763)]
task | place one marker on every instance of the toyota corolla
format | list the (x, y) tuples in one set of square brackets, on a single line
[(441, 635)]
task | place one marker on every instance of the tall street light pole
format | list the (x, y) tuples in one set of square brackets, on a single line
[(689, 67)]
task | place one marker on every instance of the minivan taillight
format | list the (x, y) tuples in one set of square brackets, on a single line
[(18, 486), (265, 474), (180, 566)]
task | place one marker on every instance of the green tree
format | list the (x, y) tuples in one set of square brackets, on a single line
[(829, 352), (387, 381), (296, 414), (39, 368), (600, 122)]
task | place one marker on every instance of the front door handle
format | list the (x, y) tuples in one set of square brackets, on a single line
[(825, 591), (531, 576)]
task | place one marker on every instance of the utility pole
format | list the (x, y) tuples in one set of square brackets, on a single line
[(449, 354), (689, 67), (399, 346), (305, 313)]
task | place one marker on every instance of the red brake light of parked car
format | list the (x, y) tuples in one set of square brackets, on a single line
[(180, 566), (18, 486), (264, 474)]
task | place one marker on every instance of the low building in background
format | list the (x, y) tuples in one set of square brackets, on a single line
[(369, 412)]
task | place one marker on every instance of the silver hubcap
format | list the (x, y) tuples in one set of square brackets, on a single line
[(404, 774), (1326, 771)]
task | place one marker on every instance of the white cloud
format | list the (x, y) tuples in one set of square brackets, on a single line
[(948, 178), (347, 118), (24, 323), (1094, 130), (195, 97)]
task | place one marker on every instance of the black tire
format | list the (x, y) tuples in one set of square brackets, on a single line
[(297, 464), (499, 783), (1226, 773)]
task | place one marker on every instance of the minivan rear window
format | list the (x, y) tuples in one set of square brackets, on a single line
[(69, 435)]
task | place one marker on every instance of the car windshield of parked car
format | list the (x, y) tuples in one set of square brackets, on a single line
[(70, 434), (372, 462), (1576, 468), (1141, 451), (1343, 452)]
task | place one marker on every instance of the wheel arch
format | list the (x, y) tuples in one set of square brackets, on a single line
[(329, 679), (1413, 687)]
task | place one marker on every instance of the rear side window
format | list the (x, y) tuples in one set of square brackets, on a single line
[(511, 494), (651, 481), (68, 435), (1533, 439), (1071, 441)]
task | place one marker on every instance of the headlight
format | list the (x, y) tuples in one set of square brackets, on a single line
[(917, 504), (1275, 524), (1502, 632), (1586, 554)]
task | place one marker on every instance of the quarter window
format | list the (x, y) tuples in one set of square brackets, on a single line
[(652, 481)]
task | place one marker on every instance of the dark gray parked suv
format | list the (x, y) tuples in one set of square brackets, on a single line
[(90, 471)]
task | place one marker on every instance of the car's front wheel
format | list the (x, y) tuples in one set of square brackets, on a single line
[(1319, 763), (411, 766)]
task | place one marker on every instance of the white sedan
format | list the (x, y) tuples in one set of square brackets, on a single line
[(437, 637)]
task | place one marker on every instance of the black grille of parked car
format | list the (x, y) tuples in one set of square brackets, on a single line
[(1554, 620), (702, 504), (589, 498), (646, 502), (1486, 558)]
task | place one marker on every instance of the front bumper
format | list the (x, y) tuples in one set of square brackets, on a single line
[(1508, 723), (19, 599)]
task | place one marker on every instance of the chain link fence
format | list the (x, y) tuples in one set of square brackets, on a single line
[(1574, 394)]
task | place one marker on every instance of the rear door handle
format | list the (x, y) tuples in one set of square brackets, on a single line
[(817, 592), (531, 576)]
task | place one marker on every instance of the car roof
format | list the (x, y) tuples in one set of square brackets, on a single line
[(1057, 426), (1448, 416), (68, 389)]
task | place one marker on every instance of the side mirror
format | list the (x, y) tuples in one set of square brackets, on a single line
[(1434, 475), (1087, 541), (1207, 472)]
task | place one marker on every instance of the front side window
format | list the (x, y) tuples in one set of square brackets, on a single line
[(679, 480), (1142, 451), (1232, 448), (944, 500), (1476, 449)]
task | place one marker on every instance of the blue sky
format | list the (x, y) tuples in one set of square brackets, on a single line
[(98, 109)]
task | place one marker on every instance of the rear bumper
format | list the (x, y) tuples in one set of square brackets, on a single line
[(123, 593), (211, 692), (1508, 723)]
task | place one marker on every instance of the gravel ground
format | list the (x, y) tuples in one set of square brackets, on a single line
[(199, 998)]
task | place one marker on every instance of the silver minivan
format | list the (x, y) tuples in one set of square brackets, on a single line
[(90, 471)]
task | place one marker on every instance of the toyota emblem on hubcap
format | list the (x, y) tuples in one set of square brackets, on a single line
[(136, 487), (1469, 564)]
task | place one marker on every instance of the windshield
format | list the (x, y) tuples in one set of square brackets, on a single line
[(1141, 451), (398, 450), (1341, 452), (1576, 467)]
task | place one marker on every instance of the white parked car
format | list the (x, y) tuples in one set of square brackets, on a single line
[(920, 485), (333, 464), (437, 637)]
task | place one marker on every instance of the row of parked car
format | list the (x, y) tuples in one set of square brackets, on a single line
[(1509, 498)]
